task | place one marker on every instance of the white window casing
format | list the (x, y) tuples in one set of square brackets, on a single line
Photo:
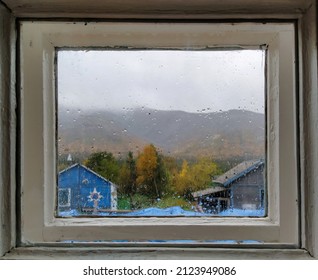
[(38, 43)]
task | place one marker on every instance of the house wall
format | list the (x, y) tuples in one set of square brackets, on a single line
[(88, 181), (70, 179), (247, 197), (82, 182), (246, 192)]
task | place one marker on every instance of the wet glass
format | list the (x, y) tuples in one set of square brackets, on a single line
[(161, 132)]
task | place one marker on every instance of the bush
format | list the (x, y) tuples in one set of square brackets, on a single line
[(123, 203), (174, 201), (137, 201), (140, 201)]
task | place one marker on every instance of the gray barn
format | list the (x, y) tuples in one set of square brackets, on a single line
[(242, 187)]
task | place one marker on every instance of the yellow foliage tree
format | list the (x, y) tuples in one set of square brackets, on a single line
[(151, 176), (202, 173), (182, 180), (195, 177)]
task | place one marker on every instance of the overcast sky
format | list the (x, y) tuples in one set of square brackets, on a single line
[(192, 81)]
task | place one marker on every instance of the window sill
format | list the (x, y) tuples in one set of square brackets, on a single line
[(163, 253)]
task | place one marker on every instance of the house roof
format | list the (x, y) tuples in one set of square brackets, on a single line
[(231, 176), (208, 191), (87, 169), (238, 171)]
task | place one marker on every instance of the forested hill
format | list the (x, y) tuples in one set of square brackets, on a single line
[(219, 134)]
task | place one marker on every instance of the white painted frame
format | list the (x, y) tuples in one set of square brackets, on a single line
[(38, 180)]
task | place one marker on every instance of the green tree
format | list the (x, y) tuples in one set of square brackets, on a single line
[(171, 170), (128, 176), (105, 164)]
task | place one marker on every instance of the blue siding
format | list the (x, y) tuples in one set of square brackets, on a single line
[(82, 182)]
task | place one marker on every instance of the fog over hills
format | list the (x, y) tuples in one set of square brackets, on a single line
[(221, 135)]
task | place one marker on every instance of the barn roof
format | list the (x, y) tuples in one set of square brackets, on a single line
[(238, 171), (87, 169)]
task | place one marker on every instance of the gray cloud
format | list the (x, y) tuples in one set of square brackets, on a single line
[(179, 80)]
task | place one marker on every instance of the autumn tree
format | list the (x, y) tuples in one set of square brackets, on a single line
[(202, 173), (182, 180), (171, 167), (195, 177), (128, 176), (151, 173), (105, 164)]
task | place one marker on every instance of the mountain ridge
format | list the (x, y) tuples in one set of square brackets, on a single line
[(178, 133)]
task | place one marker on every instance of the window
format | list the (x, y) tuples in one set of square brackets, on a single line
[(38, 117), (64, 199), (173, 130)]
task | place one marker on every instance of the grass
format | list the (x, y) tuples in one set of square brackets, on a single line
[(171, 201), (142, 202)]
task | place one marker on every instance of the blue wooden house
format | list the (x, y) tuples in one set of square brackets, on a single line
[(83, 190)]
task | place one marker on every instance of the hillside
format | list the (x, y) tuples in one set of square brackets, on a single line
[(234, 133)]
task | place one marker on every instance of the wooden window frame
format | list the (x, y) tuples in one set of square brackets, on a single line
[(303, 12), (38, 41)]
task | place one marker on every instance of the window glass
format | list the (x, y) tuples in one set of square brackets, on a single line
[(161, 132)]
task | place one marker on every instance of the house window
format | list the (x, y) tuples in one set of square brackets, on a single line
[(64, 199), (161, 124), (39, 43)]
